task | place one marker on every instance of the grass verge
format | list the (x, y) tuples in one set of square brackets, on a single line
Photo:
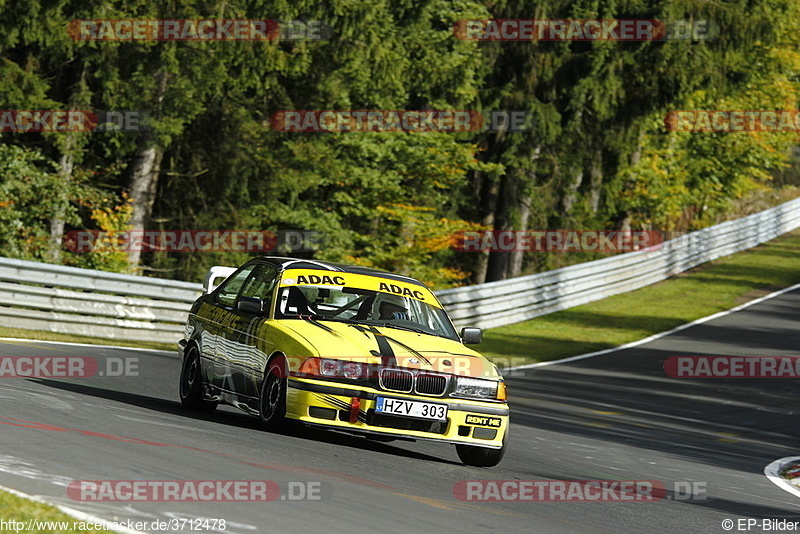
[(704, 290), (15, 508)]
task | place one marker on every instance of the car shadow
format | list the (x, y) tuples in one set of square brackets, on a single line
[(234, 418)]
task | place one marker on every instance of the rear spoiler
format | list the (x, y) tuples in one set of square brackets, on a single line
[(216, 273)]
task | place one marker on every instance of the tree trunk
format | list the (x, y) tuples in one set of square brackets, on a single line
[(515, 263), (144, 176), (66, 165), (497, 267), (624, 218), (144, 179), (571, 194), (491, 190), (72, 144), (596, 180)]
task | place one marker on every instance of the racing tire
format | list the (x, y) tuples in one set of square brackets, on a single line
[(191, 384), (272, 400), (481, 456)]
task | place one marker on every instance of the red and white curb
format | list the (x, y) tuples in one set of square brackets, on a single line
[(773, 473)]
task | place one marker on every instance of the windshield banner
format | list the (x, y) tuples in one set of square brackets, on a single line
[(315, 277)]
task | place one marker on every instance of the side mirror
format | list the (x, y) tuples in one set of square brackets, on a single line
[(471, 336), (214, 274), (250, 305)]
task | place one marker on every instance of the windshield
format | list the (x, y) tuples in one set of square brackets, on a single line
[(369, 301)]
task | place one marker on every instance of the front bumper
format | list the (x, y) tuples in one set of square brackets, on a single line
[(469, 422)]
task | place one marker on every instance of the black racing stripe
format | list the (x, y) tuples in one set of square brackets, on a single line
[(327, 328), (342, 405), (342, 392), (335, 402), (384, 348), (409, 349), (360, 329)]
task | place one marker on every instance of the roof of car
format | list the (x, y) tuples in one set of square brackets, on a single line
[(297, 263)]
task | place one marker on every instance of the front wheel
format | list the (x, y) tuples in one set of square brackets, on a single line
[(481, 456), (272, 401), (191, 386)]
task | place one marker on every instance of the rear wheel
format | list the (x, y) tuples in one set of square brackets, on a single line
[(481, 456), (191, 386), (272, 401)]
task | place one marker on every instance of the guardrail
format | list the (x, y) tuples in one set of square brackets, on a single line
[(518, 299), (84, 302), (55, 298)]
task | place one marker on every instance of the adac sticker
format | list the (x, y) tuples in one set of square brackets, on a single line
[(361, 281), (482, 420), (314, 279)]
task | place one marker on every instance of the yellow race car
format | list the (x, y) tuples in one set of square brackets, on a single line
[(345, 347)]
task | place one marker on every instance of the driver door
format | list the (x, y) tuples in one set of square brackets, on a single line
[(247, 368)]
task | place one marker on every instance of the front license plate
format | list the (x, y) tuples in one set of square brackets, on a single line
[(408, 408)]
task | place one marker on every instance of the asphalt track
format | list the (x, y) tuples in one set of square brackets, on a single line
[(616, 416)]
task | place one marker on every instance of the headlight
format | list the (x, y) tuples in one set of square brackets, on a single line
[(329, 367), (475, 388), (352, 370), (334, 368)]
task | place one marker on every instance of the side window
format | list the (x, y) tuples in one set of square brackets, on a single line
[(261, 284), (230, 287)]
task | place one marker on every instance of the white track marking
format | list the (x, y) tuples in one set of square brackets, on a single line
[(656, 336), (77, 514), (118, 347)]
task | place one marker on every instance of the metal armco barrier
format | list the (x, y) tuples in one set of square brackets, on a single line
[(518, 299), (55, 298), (41, 296)]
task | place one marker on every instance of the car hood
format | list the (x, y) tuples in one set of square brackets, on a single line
[(391, 346)]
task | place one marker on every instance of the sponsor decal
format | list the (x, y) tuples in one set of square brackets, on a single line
[(360, 281), (482, 420), (320, 280), (404, 291)]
